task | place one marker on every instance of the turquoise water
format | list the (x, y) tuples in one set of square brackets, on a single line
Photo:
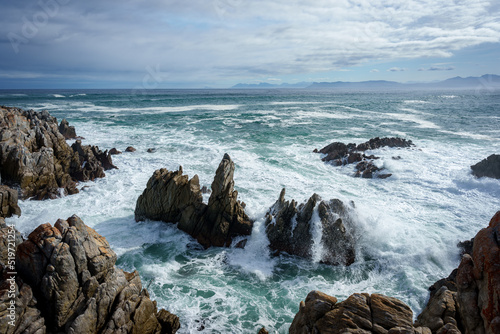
[(409, 224)]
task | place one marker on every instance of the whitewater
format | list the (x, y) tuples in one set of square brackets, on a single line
[(408, 224)]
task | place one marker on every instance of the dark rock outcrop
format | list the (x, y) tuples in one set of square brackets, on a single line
[(8, 202), (173, 197), (289, 228), (114, 151), (66, 130), (489, 167), (340, 154), (130, 149), (67, 282), (35, 157), (360, 313)]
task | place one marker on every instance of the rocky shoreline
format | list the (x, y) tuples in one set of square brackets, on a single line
[(67, 281)]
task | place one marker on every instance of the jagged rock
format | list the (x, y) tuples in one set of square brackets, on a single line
[(263, 330), (478, 281), (78, 288), (114, 151), (93, 162), (441, 310), (66, 130), (489, 167), (130, 149), (34, 154), (360, 313), (35, 157), (340, 154), (8, 202), (289, 229), (151, 150), (172, 197)]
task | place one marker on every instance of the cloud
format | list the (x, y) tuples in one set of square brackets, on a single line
[(437, 68), (374, 71), (396, 69), (201, 40)]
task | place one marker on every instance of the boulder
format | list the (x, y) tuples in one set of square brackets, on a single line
[(35, 157), (130, 149), (173, 197), (76, 287), (489, 167), (360, 313), (339, 154), (114, 151), (93, 162), (289, 228), (8, 202), (66, 130)]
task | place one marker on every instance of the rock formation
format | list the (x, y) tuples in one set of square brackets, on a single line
[(172, 197), (8, 202), (35, 157), (66, 130), (130, 149), (67, 282), (360, 313), (489, 167), (289, 228), (468, 301), (340, 154)]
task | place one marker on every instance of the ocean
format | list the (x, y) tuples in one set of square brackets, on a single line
[(408, 224)]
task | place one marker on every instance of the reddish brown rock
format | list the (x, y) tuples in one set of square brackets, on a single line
[(360, 313), (478, 281), (71, 270)]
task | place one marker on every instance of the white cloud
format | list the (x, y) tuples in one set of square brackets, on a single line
[(396, 69), (208, 40)]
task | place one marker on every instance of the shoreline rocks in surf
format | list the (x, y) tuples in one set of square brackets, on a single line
[(289, 228), (36, 159), (489, 167), (8, 202), (465, 302), (340, 154), (67, 281), (174, 198)]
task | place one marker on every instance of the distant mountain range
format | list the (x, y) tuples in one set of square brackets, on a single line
[(485, 82)]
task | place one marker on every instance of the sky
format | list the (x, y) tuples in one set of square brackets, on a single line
[(218, 43)]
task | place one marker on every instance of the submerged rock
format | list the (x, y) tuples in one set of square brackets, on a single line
[(130, 149), (289, 228), (340, 154), (35, 157), (173, 197), (489, 167), (67, 282)]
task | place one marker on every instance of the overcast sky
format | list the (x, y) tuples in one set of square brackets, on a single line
[(218, 43)]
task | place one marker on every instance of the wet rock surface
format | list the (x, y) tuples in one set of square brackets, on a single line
[(35, 157), (489, 167), (340, 154), (465, 302), (67, 282), (289, 228), (173, 197)]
